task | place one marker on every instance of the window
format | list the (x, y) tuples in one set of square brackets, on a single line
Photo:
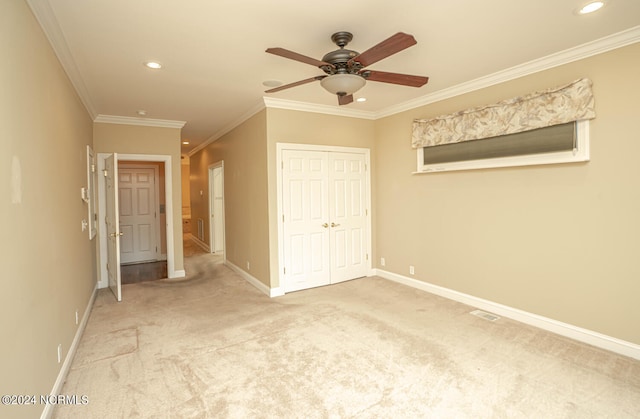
[(565, 143)]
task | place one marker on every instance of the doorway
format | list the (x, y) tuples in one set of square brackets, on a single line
[(141, 206), (165, 162), (324, 200), (216, 208)]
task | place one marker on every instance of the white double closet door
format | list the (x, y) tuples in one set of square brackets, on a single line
[(325, 217)]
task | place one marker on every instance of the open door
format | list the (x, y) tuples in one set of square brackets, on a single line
[(113, 226), (216, 208)]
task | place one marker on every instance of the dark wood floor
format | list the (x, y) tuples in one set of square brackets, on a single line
[(140, 272)]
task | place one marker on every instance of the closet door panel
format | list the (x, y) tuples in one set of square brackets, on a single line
[(347, 186), (306, 216)]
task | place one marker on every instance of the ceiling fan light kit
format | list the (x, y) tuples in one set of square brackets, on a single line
[(345, 69), (343, 84)]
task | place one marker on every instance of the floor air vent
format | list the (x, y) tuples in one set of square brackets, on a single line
[(201, 229), (485, 315)]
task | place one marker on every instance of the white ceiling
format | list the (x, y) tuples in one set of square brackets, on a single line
[(214, 60)]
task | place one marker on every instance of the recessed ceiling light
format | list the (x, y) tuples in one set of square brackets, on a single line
[(185, 142), (361, 99), (591, 7), (154, 65)]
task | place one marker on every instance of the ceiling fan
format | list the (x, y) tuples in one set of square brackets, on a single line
[(345, 69)]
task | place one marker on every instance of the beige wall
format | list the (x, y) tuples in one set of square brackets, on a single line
[(287, 126), (243, 151), (47, 260), (560, 241), (133, 139)]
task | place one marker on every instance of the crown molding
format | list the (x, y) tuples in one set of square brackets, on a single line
[(146, 122), (268, 102), (229, 127), (46, 18), (311, 107), (618, 40)]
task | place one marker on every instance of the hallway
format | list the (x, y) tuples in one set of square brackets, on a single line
[(151, 271), (133, 273)]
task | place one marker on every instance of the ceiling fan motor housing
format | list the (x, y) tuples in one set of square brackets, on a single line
[(339, 58)]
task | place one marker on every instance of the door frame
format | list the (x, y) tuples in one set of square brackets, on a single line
[(156, 191), (280, 147), (114, 281), (103, 281), (211, 170)]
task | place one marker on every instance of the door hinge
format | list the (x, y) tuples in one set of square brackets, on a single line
[(367, 256), (105, 172), (285, 271), (283, 218), (282, 164), (366, 212), (93, 168)]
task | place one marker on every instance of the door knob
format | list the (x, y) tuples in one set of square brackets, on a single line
[(334, 225), (116, 234), (325, 225)]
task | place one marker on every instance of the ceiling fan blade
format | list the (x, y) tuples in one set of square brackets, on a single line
[(345, 99), (298, 83), (388, 47), (395, 78), (298, 57)]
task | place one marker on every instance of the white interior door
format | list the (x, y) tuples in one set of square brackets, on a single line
[(113, 226), (137, 212), (216, 205), (347, 215), (306, 219)]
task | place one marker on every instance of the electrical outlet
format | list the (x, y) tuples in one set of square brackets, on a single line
[(412, 270), (248, 266), (382, 262), (59, 353), (76, 317)]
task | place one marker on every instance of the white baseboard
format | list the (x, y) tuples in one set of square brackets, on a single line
[(276, 292), (564, 329), (200, 243), (181, 273), (66, 365), (271, 292)]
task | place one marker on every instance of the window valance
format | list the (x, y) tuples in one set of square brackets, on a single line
[(559, 105)]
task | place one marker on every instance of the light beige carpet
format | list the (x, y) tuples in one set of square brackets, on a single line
[(214, 346)]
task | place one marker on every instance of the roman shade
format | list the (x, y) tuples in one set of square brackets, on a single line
[(559, 105)]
